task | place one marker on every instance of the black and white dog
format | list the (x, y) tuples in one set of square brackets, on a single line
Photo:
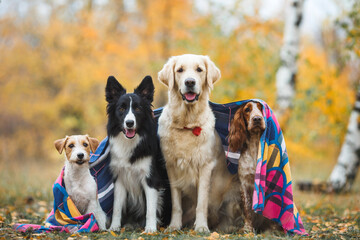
[(141, 186)]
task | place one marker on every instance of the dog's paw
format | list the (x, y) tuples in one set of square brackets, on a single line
[(149, 230), (248, 228), (172, 228), (202, 229), (114, 228)]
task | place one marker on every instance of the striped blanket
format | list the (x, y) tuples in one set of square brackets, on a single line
[(272, 197)]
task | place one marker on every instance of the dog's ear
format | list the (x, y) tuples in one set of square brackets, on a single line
[(113, 90), (146, 89), (93, 142), (166, 74), (212, 72), (238, 133), (60, 144)]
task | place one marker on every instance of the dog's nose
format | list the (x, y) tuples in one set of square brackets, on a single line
[(257, 119), (80, 155), (129, 123), (189, 82)]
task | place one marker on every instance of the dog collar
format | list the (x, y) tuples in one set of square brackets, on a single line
[(196, 130)]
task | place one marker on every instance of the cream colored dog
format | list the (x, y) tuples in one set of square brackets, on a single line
[(194, 155)]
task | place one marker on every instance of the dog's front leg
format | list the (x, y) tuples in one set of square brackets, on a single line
[(152, 196), (246, 182), (176, 213), (201, 224), (119, 204), (100, 215)]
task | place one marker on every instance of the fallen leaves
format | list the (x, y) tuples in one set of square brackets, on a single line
[(213, 236), (321, 221)]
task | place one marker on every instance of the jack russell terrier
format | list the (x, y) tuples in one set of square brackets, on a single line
[(80, 184)]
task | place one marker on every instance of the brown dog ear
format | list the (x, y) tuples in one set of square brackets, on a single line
[(213, 73), (93, 142), (238, 133), (166, 74), (60, 144)]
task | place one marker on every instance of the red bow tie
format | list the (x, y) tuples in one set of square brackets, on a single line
[(196, 130)]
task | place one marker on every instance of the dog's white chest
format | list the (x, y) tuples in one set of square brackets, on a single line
[(81, 187), (131, 174)]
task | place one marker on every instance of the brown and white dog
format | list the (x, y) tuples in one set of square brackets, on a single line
[(80, 185), (195, 159), (245, 131)]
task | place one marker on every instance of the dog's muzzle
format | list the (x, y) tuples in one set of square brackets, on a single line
[(190, 95), (258, 124), (80, 159)]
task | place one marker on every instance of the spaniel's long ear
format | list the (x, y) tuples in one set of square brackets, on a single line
[(166, 74), (60, 144), (212, 72), (238, 133)]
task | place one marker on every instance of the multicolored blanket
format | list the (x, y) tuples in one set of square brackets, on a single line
[(272, 197)]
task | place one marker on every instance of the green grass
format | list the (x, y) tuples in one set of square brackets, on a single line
[(26, 197)]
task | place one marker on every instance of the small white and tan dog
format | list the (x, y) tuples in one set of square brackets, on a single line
[(80, 184)]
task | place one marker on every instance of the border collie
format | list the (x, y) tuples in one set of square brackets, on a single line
[(137, 164)]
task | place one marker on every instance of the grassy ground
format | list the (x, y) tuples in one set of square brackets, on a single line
[(26, 197)]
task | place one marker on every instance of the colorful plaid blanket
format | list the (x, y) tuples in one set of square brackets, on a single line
[(272, 197)]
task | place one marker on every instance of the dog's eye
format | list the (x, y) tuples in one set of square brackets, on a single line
[(85, 144), (137, 109), (199, 69), (122, 109), (180, 70), (247, 110), (71, 145)]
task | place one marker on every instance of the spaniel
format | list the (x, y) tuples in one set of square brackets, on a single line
[(246, 129)]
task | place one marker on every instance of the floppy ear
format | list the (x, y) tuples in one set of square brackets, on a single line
[(166, 74), (146, 89), (212, 72), (113, 89), (60, 144), (238, 133), (93, 142)]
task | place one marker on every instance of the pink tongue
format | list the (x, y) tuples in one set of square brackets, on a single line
[(130, 133), (190, 96)]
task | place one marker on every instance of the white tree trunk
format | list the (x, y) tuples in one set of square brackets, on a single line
[(286, 74), (344, 172)]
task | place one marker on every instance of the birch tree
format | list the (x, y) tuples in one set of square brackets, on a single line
[(344, 172), (286, 74), (346, 168)]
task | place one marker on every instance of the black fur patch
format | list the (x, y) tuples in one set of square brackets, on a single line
[(141, 105)]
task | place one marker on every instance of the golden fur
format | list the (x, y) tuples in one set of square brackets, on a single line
[(196, 165)]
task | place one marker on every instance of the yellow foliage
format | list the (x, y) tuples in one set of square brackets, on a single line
[(54, 74)]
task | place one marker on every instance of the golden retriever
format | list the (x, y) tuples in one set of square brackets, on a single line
[(195, 159)]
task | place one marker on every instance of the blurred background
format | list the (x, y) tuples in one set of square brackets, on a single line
[(55, 57)]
